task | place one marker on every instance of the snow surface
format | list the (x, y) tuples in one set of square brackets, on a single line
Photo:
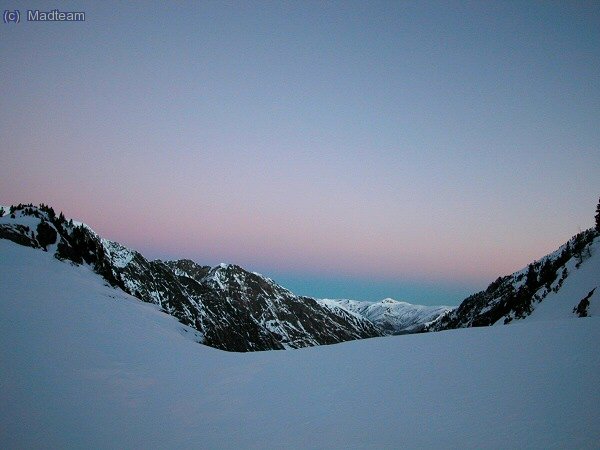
[(20, 219), (119, 255), (87, 366)]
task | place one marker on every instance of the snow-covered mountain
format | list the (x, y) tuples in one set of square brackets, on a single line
[(231, 308), (562, 284), (237, 310), (84, 365), (392, 316)]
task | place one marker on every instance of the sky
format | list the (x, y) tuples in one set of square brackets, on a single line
[(414, 150)]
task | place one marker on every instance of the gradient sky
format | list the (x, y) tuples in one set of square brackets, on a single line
[(347, 149)]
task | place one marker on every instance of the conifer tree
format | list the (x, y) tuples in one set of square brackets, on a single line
[(598, 216), (531, 280)]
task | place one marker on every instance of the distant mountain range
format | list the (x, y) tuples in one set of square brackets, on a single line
[(237, 310), (392, 316)]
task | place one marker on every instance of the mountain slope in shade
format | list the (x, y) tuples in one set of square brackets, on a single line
[(552, 287), (232, 309), (392, 316), (85, 365)]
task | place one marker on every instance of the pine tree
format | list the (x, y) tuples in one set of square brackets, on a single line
[(532, 278), (598, 216), (46, 235)]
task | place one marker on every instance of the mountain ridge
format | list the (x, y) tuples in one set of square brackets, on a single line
[(393, 316), (516, 296), (232, 308)]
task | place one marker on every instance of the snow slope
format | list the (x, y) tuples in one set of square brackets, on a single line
[(86, 366), (577, 285)]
